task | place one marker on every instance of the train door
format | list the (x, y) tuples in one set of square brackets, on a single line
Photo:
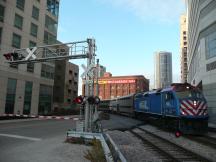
[(169, 104), (156, 103)]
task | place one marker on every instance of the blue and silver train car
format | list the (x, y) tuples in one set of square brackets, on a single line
[(181, 106), (125, 104)]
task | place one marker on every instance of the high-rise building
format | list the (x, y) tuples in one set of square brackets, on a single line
[(65, 84), (183, 47), (202, 49), (27, 88), (163, 69)]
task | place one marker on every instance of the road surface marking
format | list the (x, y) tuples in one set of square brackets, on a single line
[(20, 137)]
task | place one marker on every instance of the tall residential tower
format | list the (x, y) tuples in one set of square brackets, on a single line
[(163, 69)]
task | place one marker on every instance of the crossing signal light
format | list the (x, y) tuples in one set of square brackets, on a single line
[(8, 56), (178, 134), (97, 100), (13, 56), (78, 100), (93, 100)]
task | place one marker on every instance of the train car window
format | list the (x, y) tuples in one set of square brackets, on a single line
[(169, 96), (189, 93), (157, 93), (146, 95), (169, 99)]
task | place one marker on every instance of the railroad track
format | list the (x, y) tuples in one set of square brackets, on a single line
[(211, 129), (167, 150)]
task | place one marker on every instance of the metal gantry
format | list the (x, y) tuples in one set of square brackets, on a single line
[(74, 50)]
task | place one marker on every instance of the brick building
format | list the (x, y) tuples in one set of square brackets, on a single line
[(112, 87), (66, 81)]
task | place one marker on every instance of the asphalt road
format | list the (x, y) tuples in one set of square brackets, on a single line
[(38, 141), (119, 122), (43, 140)]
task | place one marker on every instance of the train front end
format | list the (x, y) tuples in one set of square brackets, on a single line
[(193, 110)]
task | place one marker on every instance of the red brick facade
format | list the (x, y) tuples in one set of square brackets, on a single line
[(112, 87)]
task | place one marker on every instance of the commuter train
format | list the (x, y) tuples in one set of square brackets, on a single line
[(181, 107)]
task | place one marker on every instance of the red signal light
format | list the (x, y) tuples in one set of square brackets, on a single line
[(177, 134), (8, 56), (78, 100)]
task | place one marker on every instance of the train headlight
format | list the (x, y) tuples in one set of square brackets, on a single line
[(195, 103)]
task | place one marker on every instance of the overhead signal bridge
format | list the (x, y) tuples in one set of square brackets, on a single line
[(73, 50)]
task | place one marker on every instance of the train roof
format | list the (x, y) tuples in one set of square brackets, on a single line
[(126, 96), (173, 87)]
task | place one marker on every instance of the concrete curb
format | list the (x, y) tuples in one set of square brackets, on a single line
[(34, 118)]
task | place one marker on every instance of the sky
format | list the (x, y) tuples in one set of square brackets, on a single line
[(127, 32)]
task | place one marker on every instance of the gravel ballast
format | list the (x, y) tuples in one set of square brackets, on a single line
[(132, 148)]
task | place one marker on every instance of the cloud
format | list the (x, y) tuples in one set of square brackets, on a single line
[(156, 10)]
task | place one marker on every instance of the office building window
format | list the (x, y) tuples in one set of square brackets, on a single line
[(1, 13), (32, 44), (49, 38), (0, 35), (35, 12), (69, 91), (10, 97), (30, 67), (16, 41), (47, 71), (27, 98), (18, 21), (53, 7), (34, 30), (45, 99), (75, 83), (211, 45), (51, 24), (20, 4)]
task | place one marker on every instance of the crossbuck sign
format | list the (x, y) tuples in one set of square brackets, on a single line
[(87, 71)]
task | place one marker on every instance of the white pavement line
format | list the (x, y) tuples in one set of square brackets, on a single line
[(21, 137)]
